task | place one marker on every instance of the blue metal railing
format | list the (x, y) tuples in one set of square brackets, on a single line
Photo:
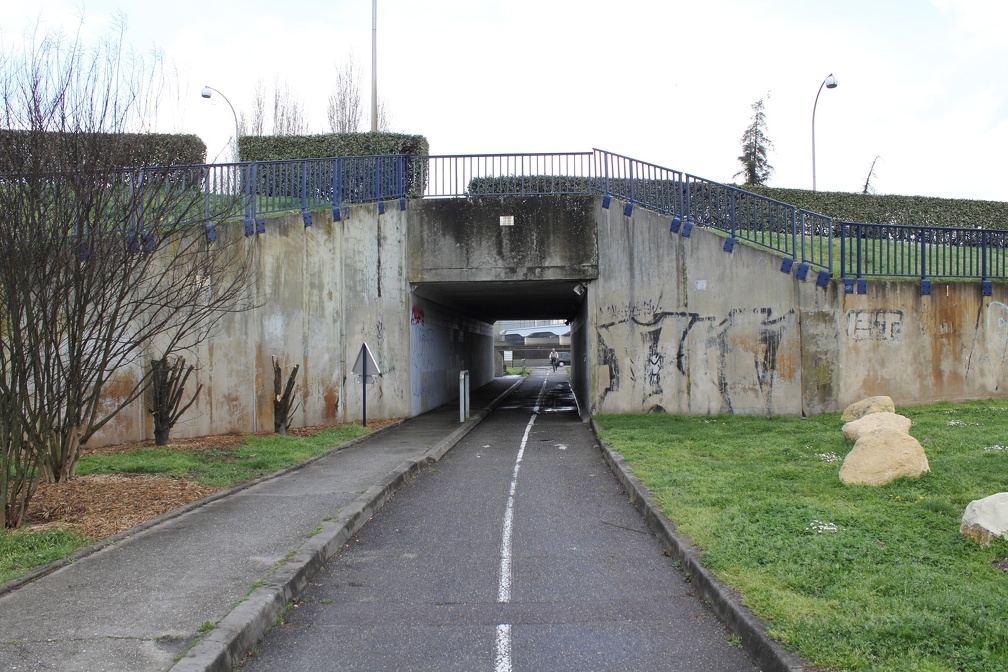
[(873, 250), (257, 189), (799, 234)]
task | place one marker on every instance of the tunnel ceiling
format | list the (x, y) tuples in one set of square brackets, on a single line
[(492, 301)]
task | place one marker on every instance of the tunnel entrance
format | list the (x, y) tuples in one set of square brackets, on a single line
[(562, 302)]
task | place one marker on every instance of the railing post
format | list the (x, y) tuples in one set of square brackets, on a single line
[(303, 185), (798, 221), (338, 183), (857, 256), (984, 250), (923, 252)]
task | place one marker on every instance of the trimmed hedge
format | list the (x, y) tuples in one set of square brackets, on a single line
[(110, 150), (892, 209), (285, 147)]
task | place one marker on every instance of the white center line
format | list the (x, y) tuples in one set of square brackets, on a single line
[(502, 657)]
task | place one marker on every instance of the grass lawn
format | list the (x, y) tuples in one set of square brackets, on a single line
[(256, 456), (852, 578)]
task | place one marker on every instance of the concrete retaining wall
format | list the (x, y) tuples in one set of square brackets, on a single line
[(671, 324), (678, 325), (322, 292)]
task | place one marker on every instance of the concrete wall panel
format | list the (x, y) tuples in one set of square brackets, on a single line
[(684, 327), (671, 324)]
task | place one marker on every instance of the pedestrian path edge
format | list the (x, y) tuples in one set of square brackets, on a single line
[(723, 601), (238, 632)]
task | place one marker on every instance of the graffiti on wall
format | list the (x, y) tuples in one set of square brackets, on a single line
[(875, 325), (655, 346)]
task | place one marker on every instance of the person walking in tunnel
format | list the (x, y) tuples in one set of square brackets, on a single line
[(554, 359)]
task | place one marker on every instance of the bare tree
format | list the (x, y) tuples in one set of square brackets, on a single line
[(868, 188), (102, 261), (384, 117), (258, 123), (288, 112), (345, 109)]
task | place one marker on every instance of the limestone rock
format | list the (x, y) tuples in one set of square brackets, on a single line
[(869, 423), (883, 455), (859, 409), (986, 518)]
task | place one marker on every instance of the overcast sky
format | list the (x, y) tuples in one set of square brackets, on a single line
[(921, 82)]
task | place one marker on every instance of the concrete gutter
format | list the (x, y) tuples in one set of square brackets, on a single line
[(725, 602), (238, 632)]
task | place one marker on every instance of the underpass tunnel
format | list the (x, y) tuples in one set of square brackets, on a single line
[(458, 329)]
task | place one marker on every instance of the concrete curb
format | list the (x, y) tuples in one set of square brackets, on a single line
[(246, 624), (723, 601)]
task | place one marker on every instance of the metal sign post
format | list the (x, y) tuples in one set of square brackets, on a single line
[(367, 371)]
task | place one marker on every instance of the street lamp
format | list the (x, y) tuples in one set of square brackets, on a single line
[(206, 94), (830, 83)]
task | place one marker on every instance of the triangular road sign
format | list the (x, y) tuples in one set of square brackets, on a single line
[(365, 364)]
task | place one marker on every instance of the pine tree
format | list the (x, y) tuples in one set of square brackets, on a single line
[(755, 144)]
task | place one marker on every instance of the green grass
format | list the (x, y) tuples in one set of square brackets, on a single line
[(20, 552), (883, 258), (852, 578), (257, 456)]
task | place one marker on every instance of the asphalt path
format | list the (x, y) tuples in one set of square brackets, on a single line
[(518, 550)]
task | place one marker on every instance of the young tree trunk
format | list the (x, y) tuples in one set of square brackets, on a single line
[(167, 388), (283, 398)]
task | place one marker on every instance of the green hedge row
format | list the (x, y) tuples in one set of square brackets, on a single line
[(100, 150), (285, 147), (891, 209)]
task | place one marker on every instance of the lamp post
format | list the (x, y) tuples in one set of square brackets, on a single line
[(830, 83), (206, 94)]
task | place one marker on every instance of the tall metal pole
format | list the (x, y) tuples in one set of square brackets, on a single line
[(206, 94), (830, 83), (374, 66)]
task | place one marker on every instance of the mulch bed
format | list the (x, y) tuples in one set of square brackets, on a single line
[(100, 505)]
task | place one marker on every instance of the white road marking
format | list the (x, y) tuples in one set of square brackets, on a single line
[(502, 657)]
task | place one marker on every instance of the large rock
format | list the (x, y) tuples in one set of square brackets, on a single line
[(881, 456), (853, 430), (986, 518), (859, 409)]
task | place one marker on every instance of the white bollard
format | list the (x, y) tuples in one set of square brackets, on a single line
[(463, 395)]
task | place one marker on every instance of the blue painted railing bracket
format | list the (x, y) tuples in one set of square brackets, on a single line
[(729, 244), (786, 265), (674, 226), (823, 279), (803, 270)]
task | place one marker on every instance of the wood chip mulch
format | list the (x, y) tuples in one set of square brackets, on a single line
[(100, 505)]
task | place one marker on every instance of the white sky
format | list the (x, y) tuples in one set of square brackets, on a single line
[(664, 81)]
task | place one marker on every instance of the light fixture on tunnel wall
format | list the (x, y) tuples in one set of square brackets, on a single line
[(507, 220), (580, 289)]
